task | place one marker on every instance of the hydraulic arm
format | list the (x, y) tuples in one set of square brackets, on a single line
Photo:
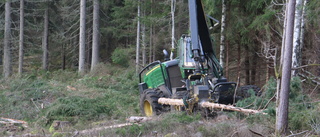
[(201, 40)]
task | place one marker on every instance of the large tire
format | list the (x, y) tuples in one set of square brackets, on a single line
[(149, 105), (244, 91)]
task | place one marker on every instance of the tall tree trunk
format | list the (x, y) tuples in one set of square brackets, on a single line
[(282, 109), (173, 7), (222, 38), (21, 38), (89, 45), (45, 38), (63, 57), (150, 43), (239, 64), (279, 68), (296, 37), (138, 39), (95, 34), (7, 67), (82, 36), (302, 29), (144, 42), (247, 64), (253, 69), (227, 60), (151, 34)]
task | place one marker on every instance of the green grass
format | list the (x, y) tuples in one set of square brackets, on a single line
[(109, 94), (42, 97)]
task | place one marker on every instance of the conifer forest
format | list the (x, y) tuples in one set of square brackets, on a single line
[(70, 67)]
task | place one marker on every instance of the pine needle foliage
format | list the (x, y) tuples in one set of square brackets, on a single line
[(75, 107), (121, 57), (108, 92), (303, 115)]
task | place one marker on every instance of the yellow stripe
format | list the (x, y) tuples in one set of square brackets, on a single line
[(152, 70)]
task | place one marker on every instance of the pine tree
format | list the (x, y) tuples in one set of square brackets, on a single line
[(138, 39), (282, 109), (45, 38), (296, 55), (96, 34), (7, 66), (82, 36), (21, 38)]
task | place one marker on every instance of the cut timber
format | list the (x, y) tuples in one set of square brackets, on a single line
[(230, 107), (169, 101), (13, 121), (179, 102), (103, 128), (8, 124), (135, 119)]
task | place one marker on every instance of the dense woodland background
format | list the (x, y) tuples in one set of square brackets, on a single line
[(44, 43), (253, 34)]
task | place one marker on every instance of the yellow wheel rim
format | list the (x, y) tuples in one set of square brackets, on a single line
[(147, 108)]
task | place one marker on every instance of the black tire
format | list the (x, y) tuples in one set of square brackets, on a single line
[(244, 91), (149, 105)]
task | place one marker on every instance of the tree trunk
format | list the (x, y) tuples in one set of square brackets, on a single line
[(227, 60), (179, 102), (253, 68), (82, 37), (144, 42), (45, 39), (21, 38), (95, 34), (247, 64), (7, 67), (302, 28), (138, 39), (282, 109), (296, 37), (238, 65), (279, 68), (89, 45), (63, 57), (150, 42), (222, 38), (173, 7)]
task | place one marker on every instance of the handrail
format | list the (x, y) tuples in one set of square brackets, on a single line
[(151, 65)]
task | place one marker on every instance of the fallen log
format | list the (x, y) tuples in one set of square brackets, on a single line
[(230, 107), (9, 120), (106, 127), (8, 124), (179, 102), (135, 119)]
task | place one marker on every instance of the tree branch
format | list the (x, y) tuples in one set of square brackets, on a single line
[(308, 65)]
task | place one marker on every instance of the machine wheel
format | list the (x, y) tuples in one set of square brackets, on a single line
[(149, 103), (243, 91)]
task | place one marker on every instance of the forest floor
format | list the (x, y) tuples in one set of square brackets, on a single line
[(64, 103)]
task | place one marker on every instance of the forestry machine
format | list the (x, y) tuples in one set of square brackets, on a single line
[(194, 77)]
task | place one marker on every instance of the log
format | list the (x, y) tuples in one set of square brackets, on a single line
[(169, 101), (179, 102), (230, 107), (135, 119), (106, 127), (9, 120), (8, 124)]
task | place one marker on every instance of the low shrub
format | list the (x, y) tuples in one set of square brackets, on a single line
[(121, 57)]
